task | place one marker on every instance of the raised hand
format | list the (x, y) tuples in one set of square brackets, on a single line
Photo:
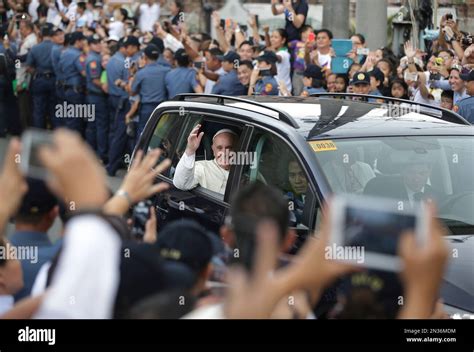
[(194, 140)]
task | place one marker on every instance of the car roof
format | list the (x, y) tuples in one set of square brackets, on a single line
[(320, 117), (328, 117)]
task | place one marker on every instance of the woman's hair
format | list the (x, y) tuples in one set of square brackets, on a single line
[(283, 34), (345, 78), (403, 84)]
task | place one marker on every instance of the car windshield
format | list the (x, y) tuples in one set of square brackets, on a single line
[(406, 169)]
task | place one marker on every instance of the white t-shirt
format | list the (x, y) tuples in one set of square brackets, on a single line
[(117, 29), (284, 68), (148, 16), (210, 84), (325, 60)]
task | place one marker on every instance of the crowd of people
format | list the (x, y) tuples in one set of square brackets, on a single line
[(185, 271), (59, 56), (124, 61)]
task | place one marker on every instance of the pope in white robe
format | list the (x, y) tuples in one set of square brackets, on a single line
[(210, 174)]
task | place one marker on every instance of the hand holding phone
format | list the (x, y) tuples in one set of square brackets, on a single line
[(311, 37), (30, 164), (141, 214), (367, 231)]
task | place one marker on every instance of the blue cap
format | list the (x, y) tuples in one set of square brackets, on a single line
[(38, 200), (230, 56)]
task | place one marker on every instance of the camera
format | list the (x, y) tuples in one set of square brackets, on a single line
[(467, 40), (198, 64), (141, 214), (449, 16), (265, 72)]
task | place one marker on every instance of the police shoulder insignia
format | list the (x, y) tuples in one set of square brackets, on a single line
[(456, 108), (82, 58), (268, 87), (93, 65)]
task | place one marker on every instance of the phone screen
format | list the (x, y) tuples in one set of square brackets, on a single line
[(377, 231), (30, 163), (265, 73), (198, 64)]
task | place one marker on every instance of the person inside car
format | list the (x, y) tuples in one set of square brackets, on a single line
[(210, 174), (412, 185), (297, 193)]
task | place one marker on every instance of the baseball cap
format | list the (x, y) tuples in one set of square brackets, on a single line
[(93, 39), (187, 242), (131, 40), (75, 36), (38, 200), (268, 56), (159, 44), (385, 287), (361, 78), (468, 77), (230, 56), (313, 71), (152, 52)]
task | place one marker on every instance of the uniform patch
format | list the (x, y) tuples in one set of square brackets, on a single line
[(82, 59), (93, 65), (456, 108), (323, 146), (268, 87)]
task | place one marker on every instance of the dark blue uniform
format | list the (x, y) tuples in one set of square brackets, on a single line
[(56, 52), (118, 108), (465, 108), (150, 84), (181, 80), (72, 64), (43, 84), (266, 86), (229, 84), (97, 130)]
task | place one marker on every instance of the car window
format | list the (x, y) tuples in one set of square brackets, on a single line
[(405, 169), (274, 163), (166, 134), (211, 174)]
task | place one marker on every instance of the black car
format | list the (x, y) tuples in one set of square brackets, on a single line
[(313, 147)]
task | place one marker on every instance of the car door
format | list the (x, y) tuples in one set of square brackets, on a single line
[(206, 207), (275, 162)]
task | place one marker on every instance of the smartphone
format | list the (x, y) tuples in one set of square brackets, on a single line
[(439, 61), (411, 76), (141, 214), (265, 73), (449, 16), (257, 21), (366, 231), (244, 27), (363, 51), (198, 64), (222, 23), (31, 141), (311, 37)]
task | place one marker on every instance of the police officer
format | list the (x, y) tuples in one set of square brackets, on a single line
[(465, 107), (313, 80), (72, 64), (97, 129), (361, 84), (60, 41), (149, 82), (228, 83), (117, 79), (43, 84), (182, 79), (262, 80)]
